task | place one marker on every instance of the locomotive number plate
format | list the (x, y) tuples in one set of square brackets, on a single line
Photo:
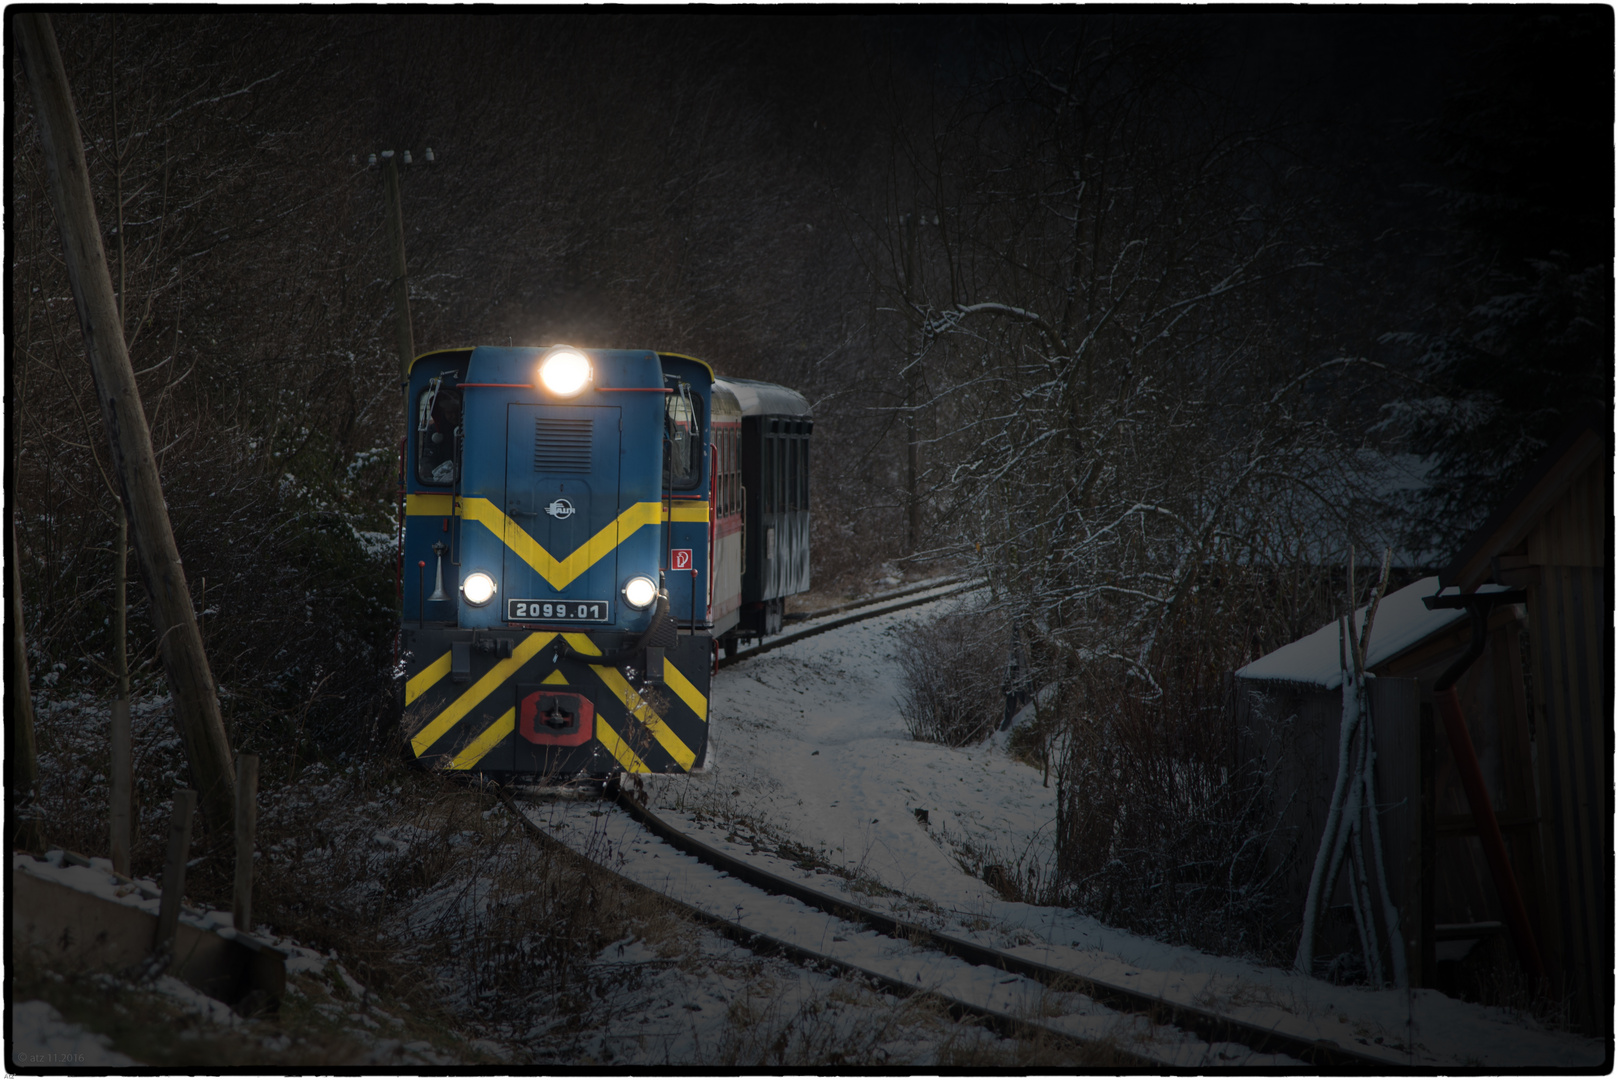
[(566, 610)]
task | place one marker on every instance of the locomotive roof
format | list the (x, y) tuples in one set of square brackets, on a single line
[(765, 399)]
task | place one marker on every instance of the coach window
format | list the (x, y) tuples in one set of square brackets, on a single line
[(780, 469), (683, 426), (803, 476), (438, 423), (792, 472), (767, 474)]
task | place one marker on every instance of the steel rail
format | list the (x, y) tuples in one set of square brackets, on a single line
[(785, 639), (1003, 1023), (896, 594), (1206, 1024)]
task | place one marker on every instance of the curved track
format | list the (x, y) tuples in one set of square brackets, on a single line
[(1207, 1025), (1016, 996), (862, 610), (1015, 1014)]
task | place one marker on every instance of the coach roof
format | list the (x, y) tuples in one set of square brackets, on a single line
[(765, 399)]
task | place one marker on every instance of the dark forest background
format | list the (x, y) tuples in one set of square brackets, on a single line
[(1146, 318)]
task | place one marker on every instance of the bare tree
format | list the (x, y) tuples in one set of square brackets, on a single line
[(1102, 274)]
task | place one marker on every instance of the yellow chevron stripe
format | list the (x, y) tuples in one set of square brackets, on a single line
[(479, 690), (425, 504), (555, 678), (478, 747), (687, 693), (560, 573), (690, 511), (643, 712), (423, 680), (582, 644), (618, 748)]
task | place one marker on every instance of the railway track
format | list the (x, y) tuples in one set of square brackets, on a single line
[(859, 610), (1105, 1021), (1012, 994)]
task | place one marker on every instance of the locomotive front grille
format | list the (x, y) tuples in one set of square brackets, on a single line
[(561, 445)]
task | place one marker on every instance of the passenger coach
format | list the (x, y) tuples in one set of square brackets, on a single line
[(578, 528)]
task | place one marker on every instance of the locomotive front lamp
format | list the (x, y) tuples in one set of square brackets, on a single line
[(478, 588), (564, 372), (639, 592)]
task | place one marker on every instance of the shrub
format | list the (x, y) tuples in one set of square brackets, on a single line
[(953, 670), (1159, 829)]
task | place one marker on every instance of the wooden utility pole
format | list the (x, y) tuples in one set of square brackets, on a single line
[(404, 341), (196, 703), (179, 850)]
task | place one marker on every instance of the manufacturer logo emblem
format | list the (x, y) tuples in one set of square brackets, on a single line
[(561, 508)]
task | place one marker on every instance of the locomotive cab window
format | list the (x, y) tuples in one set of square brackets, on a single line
[(682, 424), (438, 425)]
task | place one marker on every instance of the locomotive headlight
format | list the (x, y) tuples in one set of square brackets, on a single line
[(564, 372), (478, 588), (639, 592)]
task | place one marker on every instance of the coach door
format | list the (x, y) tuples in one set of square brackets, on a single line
[(561, 492)]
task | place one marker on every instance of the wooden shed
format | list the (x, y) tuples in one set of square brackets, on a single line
[(1553, 538), (1290, 704), (1538, 706)]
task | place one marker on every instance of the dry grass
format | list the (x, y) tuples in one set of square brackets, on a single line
[(319, 1024), (465, 939)]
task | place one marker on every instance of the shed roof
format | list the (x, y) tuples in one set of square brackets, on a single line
[(1402, 622), (1512, 521)]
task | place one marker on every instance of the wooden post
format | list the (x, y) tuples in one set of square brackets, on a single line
[(196, 702), (246, 824), (168, 914), (22, 767), (121, 804), (123, 776), (404, 341)]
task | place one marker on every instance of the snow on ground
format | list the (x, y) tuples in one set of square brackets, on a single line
[(709, 1003), (807, 745), (41, 1039), (615, 839), (807, 741)]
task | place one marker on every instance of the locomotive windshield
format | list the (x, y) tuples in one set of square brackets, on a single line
[(683, 426), (438, 420)]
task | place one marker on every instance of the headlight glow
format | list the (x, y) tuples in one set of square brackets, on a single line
[(478, 588), (639, 592), (564, 372)]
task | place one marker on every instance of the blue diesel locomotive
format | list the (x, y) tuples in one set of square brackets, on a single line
[(580, 531)]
